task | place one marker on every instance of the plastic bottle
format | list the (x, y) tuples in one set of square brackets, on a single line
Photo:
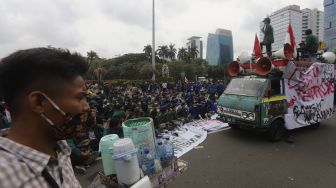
[(148, 165), (161, 151), (169, 147)]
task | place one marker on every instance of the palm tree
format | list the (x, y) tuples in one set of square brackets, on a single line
[(193, 52), (99, 73), (148, 51), (182, 54), (163, 51), (92, 55), (172, 51)]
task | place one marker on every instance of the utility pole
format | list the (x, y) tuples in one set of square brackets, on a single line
[(153, 42)]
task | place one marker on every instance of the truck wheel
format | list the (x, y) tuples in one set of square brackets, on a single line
[(276, 131)]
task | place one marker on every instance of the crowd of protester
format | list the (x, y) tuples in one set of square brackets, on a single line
[(110, 105)]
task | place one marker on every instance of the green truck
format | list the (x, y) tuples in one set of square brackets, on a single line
[(276, 97)]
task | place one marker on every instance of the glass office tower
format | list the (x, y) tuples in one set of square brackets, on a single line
[(330, 24), (220, 47)]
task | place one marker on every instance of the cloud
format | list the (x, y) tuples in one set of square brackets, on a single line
[(115, 27)]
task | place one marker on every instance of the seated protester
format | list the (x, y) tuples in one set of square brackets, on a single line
[(192, 111), (220, 88), (138, 112), (213, 105), (145, 109), (161, 118), (154, 113), (118, 112), (114, 127), (95, 131), (81, 151), (183, 111), (171, 114)]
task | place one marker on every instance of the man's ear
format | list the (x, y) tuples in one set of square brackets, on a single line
[(36, 102)]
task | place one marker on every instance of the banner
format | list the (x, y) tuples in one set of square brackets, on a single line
[(310, 94)]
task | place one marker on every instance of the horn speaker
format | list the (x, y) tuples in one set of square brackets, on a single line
[(263, 66), (285, 52), (244, 58), (234, 68)]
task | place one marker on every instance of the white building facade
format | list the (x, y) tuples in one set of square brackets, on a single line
[(196, 41), (313, 19)]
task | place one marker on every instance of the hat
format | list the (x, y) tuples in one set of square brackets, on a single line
[(267, 20)]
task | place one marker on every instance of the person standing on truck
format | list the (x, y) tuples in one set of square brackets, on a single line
[(268, 36), (311, 44)]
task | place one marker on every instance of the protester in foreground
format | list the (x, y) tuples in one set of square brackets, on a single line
[(44, 90)]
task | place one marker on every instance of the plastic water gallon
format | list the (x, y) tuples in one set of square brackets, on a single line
[(141, 131), (106, 149), (126, 161)]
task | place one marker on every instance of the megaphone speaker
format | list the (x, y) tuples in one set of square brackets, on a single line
[(234, 68), (288, 51), (263, 66), (285, 52)]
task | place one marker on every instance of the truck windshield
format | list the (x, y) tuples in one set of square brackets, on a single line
[(246, 86)]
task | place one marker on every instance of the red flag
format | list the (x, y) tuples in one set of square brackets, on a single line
[(290, 39), (257, 49)]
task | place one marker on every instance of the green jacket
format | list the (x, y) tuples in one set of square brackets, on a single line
[(171, 115), (268, 34), (311, 44), (74, 149)]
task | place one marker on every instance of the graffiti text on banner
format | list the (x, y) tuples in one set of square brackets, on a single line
[(311, 113)]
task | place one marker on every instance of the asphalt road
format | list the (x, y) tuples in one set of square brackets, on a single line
[(243, 159)]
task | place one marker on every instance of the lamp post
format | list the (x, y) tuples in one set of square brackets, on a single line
[(153, 42)]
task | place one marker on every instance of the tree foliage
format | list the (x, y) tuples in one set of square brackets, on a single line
[(137, 66)]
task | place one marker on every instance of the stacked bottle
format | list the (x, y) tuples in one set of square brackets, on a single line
[(161, 151), (148, 165), (169, 148)]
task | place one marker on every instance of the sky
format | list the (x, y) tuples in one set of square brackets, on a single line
[(116, 27)]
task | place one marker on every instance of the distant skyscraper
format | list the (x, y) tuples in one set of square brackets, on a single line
[(314, 20), (280, 20), (330, 24), (219, 47), (196, 41)]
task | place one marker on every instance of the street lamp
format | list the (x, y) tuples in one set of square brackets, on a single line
[(153, 43)]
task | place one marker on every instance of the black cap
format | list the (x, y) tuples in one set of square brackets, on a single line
[(267, 20)]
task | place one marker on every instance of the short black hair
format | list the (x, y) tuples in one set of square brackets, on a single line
[(43, 66), (267, 20), (308, 32)]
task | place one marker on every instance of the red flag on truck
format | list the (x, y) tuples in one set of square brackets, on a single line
[(257, 49)]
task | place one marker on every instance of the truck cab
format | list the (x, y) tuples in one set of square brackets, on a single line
[(255, 102)]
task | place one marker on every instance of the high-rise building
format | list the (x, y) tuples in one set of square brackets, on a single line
[(314, 20), (280, 20), (330, 24), (219, 47), (198, 43)]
